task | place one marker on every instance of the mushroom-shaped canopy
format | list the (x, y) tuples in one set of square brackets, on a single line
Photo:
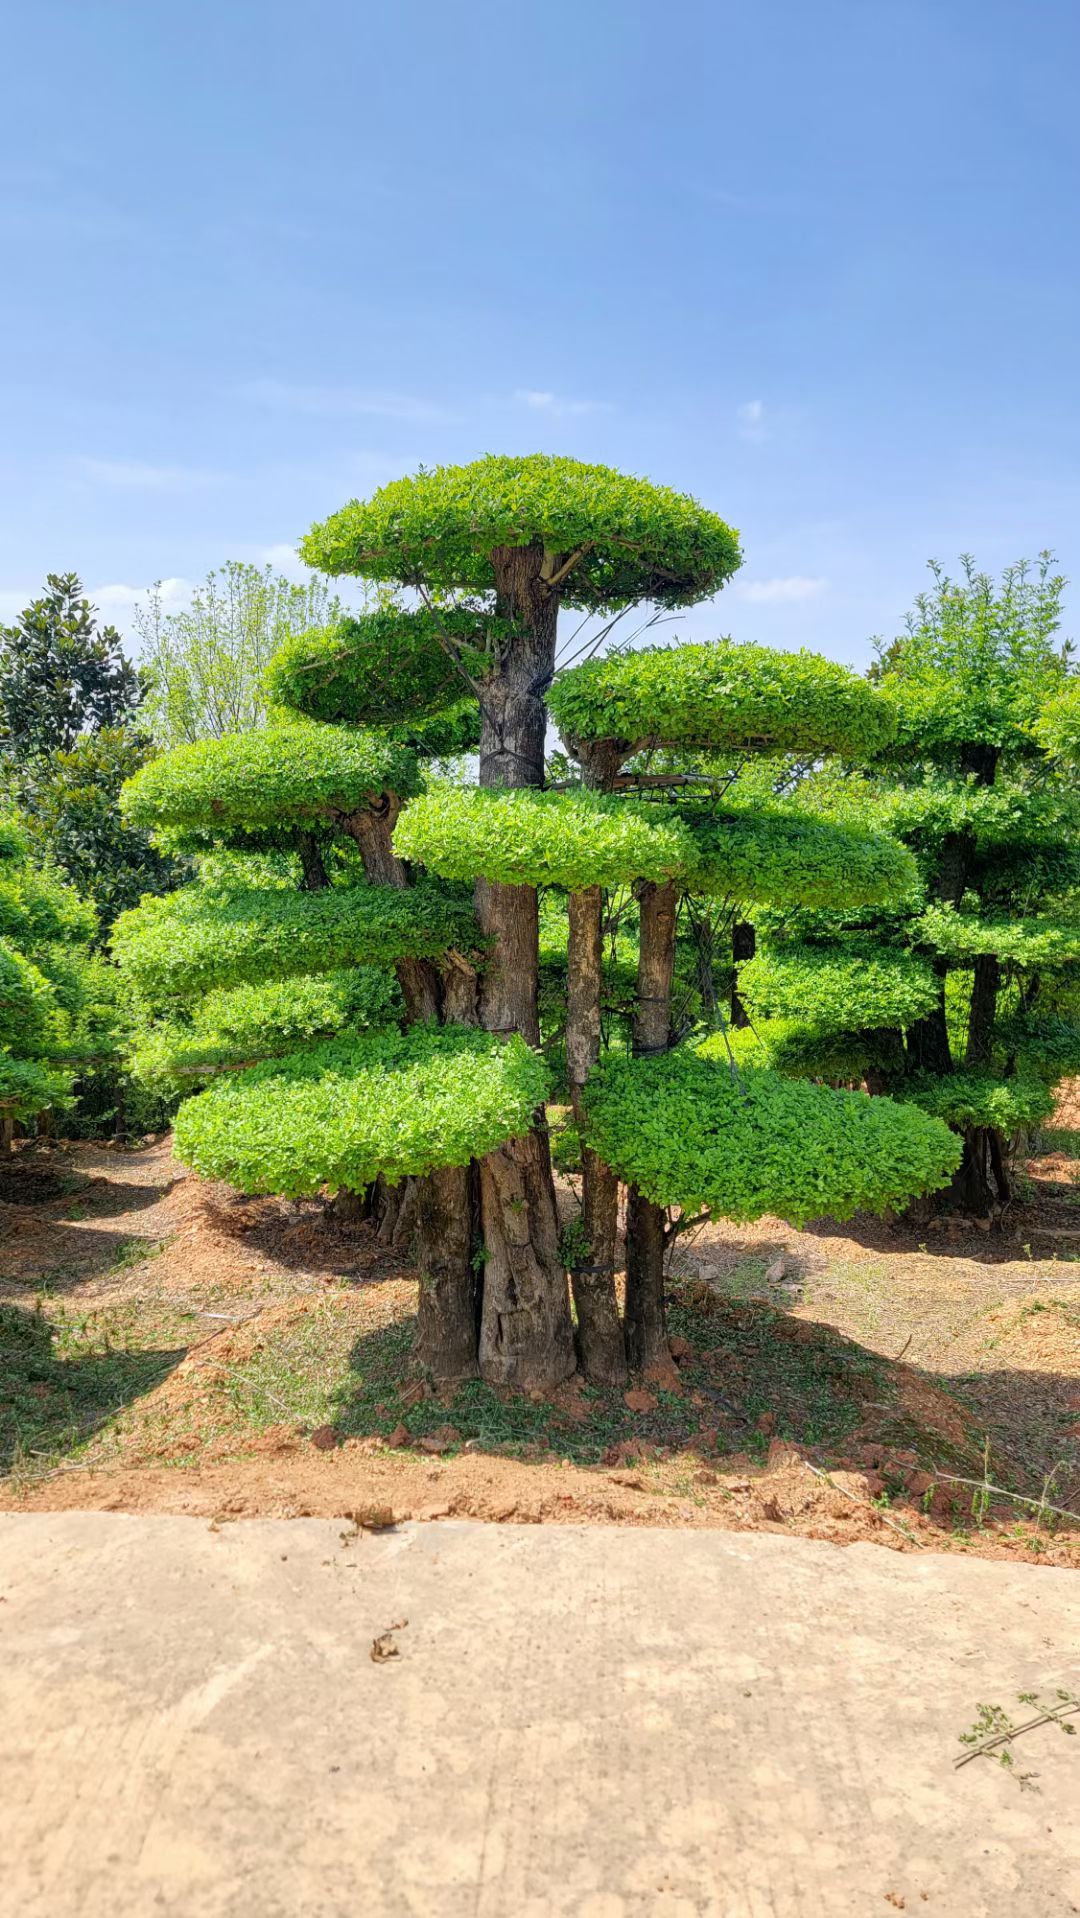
[(1035, 944), (688, 1132), (720, 696), (189, 941), (979, 1099), (836, 988), (379, 668), (620, 539), (278, 775), (228, 1029), (525, 837), (341, 1113)]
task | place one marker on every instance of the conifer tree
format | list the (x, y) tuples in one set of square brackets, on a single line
[(452, 1098)]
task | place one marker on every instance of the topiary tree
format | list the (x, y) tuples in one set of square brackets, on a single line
[(44, 931), (453, 1099), (960, 1000)]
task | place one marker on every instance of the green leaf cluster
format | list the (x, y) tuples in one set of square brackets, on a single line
[(968, 1098), (235, 1027), (189, 942), (836, 988), (277, 774), (629, 540), (1026, 945), (341, 1113), (383, 667), (692, 1133), (720, 695)]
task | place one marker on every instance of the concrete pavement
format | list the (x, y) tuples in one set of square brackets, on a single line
[(598, 1722)]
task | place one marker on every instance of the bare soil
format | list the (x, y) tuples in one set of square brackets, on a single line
[(169, 1345)]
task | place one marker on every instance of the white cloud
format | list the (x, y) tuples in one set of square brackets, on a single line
[(115, 600), (765, 592), (557, 408), (141, 476), (751, 418), (289, 397)]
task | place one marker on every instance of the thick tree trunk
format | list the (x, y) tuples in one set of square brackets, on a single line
[(984, 996), (971, 1187), (525, 1333), (743, 946), (646, 1336), (592, 1281), (372, 827), (447, 1240), (928, 1039), (525, 1336)]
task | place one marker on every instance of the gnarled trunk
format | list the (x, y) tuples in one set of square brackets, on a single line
[(525, 1333), (592, 1278), (447, 1241), (646, 1335)]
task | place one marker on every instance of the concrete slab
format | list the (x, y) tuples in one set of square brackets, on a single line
[(580, 1721)]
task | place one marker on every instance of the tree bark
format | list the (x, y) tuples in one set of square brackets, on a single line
[(743, 946), (525, 1334), (315, 877), (971, 1188), (592, 1279), (928, 1039), (984, 996), (447, 1239), (646, 1334)]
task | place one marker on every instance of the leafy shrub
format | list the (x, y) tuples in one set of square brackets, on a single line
[(279, 773), (836, 988)]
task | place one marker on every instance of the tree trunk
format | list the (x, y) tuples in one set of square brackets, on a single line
[(984, 996), (743, 946), (7, 1136), (315, 877), (525, 1336), (971, 1189), (372, 827), (592, 1281), (525, 1333), (928, 1039), (646, 1336), (447, 1238)]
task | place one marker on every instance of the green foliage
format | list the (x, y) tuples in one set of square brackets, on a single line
[(979, 1099), (36, 908), (581, 838), (632, 540), (189, 942), (206, 665), (278, 774), (1024, 944), (836, 988), (720, 696), (1043, 1044), (13, 840), (72, 803), (237, 1026), (525, 837), (61, 675), (691, 1133), (793, 1046), (379, 669), (29, 1086), (26, 999), (445, 734), (977, 662), (342, 1113), (1057, 726)]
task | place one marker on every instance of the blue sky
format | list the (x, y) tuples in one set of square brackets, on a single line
[(816, 264)]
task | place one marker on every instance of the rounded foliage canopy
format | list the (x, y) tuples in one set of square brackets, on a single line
[(836, 988), (190, 941), (339, 1114), (1024, 944), (979, 1099), (238, 1026), (580, 838), (692, 1133), (263, 778), (629, 540), (717, 696), (376, 669)]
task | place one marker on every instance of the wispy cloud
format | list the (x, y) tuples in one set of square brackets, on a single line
[(373, 403), (116, 599), (555, 406), (751, 418), (141, 476), (775, 592)]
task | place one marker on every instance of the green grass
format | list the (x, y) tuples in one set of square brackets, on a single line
[(64, 1375)]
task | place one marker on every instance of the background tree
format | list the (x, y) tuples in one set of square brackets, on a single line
[(961, 999), (45, 930), (206, 664), (61, 674), (454, 1100)]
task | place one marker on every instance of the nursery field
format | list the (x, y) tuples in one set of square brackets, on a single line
[(168, 1345)]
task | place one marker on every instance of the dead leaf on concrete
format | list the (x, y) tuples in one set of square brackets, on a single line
[(384, 1646)]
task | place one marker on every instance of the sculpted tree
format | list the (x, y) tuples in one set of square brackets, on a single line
[(454, 1101), (961, 999), (44, 932)]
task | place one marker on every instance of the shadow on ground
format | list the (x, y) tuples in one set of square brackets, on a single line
[(49, 1401)]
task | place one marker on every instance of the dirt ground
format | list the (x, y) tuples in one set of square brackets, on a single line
[(169, 1345)]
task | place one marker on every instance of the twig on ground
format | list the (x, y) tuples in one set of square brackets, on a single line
[(866, 1504), (1052, 1715), (999, 1491)]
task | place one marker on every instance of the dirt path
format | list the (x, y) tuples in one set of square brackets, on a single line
[(173, 1346)]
